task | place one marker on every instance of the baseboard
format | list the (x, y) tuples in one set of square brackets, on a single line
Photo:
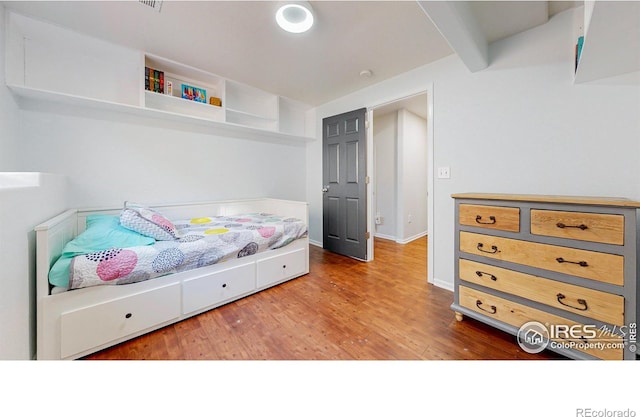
[(411, 239), (314, 243), (443, 284), (383, 236)]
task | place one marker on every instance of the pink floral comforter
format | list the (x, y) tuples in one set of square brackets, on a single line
[(205, 241)]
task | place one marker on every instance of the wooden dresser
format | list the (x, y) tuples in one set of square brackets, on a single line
[(567, 265)]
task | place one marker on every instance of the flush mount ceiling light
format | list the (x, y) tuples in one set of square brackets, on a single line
[(295, 17)]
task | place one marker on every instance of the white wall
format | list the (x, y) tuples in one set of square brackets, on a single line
[(385, 142), (519, 126), (8, 111), (400, 181), (109, 162), (21, 209), (412, 176)]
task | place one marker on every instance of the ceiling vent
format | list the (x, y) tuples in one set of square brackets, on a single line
[(154, 4)]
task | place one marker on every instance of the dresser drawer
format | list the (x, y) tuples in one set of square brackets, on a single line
[(490, 217), (278, 268), (213, 289), (586, 302), (592, 227), (517, 314), (598, 266), (96, 325)]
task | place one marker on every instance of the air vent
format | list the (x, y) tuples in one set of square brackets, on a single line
[(154, 4)]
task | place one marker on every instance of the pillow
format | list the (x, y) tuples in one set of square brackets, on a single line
[(102, 232), (148, 222)]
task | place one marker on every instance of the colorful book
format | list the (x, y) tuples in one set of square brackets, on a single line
[(156, 81)]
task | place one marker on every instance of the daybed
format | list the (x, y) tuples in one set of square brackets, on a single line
[(72, 323)]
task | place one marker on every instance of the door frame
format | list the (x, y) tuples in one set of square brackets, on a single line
[(428, 90)]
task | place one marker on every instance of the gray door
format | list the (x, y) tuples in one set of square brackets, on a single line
[(344, 187)]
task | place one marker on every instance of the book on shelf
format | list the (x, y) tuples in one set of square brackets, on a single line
[(192, 93), (153, 80)]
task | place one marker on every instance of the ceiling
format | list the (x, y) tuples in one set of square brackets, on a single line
[(240, 40)]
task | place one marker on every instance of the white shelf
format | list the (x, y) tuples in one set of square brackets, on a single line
[(247, 100), (182, 106), (611, 40), (53, 102), (49, 68), (292, 116)]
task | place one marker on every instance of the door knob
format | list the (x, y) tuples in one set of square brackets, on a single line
[(325, 189)]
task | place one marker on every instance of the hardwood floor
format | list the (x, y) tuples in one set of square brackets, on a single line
[(342, 310)]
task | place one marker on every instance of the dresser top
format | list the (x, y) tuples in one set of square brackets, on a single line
[(596, 201)]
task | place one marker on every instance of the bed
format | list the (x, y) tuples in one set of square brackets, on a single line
[(202, 255)]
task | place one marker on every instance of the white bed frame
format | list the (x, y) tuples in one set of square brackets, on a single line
[(76, 323)]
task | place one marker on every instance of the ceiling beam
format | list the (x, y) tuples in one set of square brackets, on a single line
[(456, 22)]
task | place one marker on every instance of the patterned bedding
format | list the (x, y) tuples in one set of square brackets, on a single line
[(202, 241)]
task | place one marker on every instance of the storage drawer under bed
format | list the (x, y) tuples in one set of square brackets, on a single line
[(278, 268), (101, 323), (215, 288)]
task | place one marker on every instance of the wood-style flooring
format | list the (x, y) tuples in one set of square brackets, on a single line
[(343, 309)]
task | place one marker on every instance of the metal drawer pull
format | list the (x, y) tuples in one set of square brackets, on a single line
[(581, 263), (480, 274), (493, 308), (582, 302), (494, 248), (491, 218), (581, 227), (128, 315)]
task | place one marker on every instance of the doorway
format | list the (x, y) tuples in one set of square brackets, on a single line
[(426, 94), (401, 169)]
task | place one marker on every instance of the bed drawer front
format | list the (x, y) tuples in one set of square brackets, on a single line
[(591, 227), (96, 325), (598, 266), (517, 314), (211, 290), (278, 268), (490, 217), (586, 302)]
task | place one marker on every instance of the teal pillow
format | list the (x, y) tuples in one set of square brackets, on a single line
[(102, 232)]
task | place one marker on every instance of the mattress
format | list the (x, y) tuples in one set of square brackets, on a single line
[(202, 241)]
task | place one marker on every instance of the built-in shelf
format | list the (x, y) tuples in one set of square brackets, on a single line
[(179, 105), (611, 45), (60, 103), (50, 68)]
